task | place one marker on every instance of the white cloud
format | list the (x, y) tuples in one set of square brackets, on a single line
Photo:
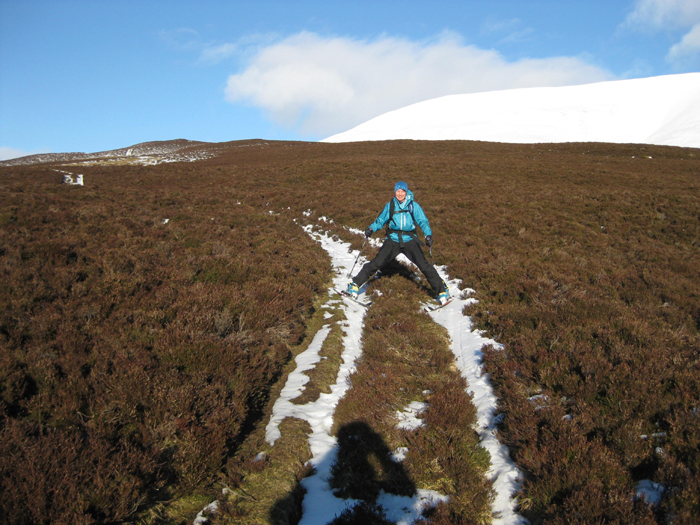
[(518, 36), (182, 39), (326, 85), (671, 15), (501, 25), (689, 46), (12, 153), (512, 29), (665, 14), (216, 53), (189, 40)]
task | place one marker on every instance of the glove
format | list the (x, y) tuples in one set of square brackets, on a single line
[(369, 232), (429, 240)]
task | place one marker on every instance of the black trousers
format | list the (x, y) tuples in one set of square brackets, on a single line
[(389, 251)]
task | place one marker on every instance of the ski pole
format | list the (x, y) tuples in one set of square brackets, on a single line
[(358, 258)]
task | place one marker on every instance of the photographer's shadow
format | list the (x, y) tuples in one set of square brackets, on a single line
[(365, 466), (363, 469)]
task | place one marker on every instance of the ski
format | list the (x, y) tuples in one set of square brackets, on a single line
[(433, 307), (346, 294)]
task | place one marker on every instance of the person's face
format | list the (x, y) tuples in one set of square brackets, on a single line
[(400, 195)]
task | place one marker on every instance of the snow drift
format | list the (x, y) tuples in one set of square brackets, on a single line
[(662, 110)]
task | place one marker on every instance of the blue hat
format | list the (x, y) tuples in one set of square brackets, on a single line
[(400, 186)]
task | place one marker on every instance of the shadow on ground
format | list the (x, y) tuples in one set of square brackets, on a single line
[(363, 468)]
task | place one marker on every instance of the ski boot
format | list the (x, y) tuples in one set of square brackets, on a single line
[(444, 297), (353, 291)]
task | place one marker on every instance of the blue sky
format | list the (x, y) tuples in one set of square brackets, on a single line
[(94, 75)]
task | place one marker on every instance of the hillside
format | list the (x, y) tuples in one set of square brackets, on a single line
[(146, 153), (661, 110), (153, 318)]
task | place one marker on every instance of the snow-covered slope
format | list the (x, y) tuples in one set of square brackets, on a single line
[(662, 110), (145, 153)]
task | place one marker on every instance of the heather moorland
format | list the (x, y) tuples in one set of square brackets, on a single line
[(150, 318)]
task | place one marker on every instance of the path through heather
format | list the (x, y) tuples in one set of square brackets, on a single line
[(320, 504)]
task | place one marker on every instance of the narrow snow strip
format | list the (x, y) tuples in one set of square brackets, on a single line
[(320, 504), (294, 386), (466, 346)]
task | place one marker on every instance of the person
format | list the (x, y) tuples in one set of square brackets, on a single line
[(402, 214)]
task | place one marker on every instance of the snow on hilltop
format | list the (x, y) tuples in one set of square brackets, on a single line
[(145, 153), (662, 110)]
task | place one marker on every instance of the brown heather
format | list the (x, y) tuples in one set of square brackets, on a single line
[(139, 359)]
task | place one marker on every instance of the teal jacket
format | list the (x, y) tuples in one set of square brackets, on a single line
[(402, 220)]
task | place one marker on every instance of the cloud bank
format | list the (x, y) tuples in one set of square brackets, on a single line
[(323, 85)]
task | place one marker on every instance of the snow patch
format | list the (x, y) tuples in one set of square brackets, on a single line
[(68, 178), (650, 491), (202, 517), (399, 455), (408, 418), (405, 510)]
